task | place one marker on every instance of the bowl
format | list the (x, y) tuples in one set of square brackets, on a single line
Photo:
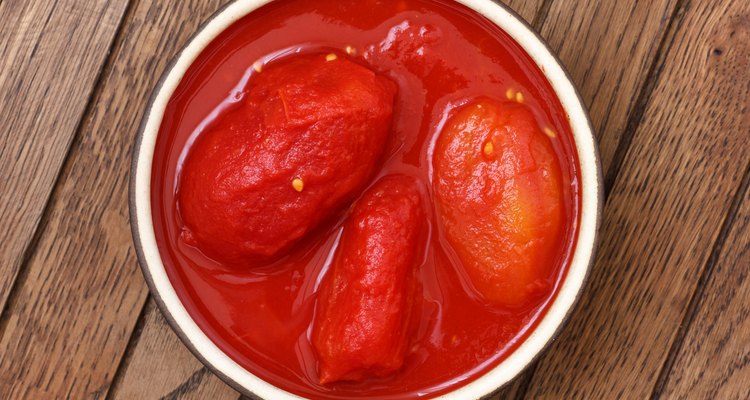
[(222, 365)]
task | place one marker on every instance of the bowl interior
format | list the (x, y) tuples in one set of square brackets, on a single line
[(244, 381)]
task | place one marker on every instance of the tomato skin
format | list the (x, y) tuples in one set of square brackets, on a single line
[(365, 303), (499, 193), (319, 124)]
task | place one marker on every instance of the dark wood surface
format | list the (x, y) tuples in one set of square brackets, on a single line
[(666, 313)]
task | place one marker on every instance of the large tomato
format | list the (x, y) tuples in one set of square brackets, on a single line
[(301, 144), (499, 193)]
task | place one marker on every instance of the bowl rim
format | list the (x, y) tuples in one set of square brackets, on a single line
[(244, 381)]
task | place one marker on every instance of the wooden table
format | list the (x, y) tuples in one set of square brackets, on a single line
[(666, 313)]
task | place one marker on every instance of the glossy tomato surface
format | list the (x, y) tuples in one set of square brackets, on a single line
[(499, 192), (363, 320)]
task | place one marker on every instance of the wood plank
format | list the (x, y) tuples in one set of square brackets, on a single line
[(665, 211), (51, 53), (162, 367), (67, 326), (714, 360), (609, 48)]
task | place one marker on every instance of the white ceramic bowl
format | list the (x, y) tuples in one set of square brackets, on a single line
[(249, 384)]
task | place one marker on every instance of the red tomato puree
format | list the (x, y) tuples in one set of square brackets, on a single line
[(451, 124)]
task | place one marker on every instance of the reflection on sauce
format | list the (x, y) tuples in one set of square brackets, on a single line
[(441, 55)]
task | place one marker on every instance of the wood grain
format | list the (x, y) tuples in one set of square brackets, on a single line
[(66, 327), (664, 213), (714, 360), (51, 53), (527, 9), (161, 367), (609, 48)]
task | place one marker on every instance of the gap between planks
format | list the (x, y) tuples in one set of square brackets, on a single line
[(108, 65), (23, 271), (636, 114), (698, 295), (128, 352), (541, 15)]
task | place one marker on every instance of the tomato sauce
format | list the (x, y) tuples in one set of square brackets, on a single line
[(441, 55)]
